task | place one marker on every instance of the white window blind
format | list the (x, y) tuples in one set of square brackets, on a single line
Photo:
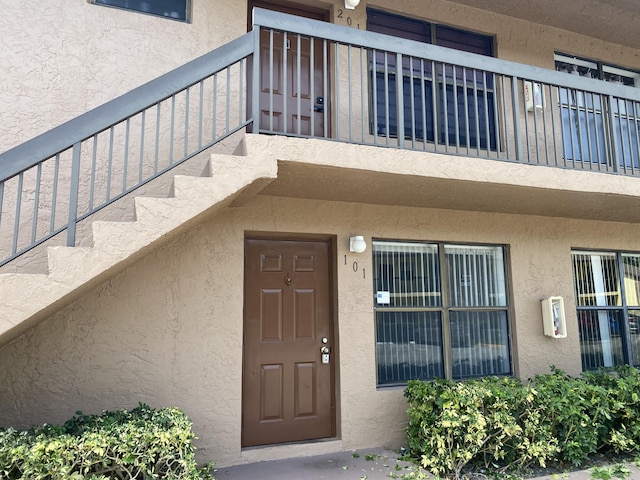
[(412, 315), (607, 287)]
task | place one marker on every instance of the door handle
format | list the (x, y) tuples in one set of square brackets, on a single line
[(319, 106), (324, 352)]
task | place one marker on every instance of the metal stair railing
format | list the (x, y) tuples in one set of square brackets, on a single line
[(59, 178), (361, 87)]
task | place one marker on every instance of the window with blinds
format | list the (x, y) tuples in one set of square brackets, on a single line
[(607, 289), (583, 113), (464, 108), (440, 311)]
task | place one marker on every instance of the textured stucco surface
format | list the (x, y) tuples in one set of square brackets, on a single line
[(27, 298), (62, 58), (168, 330)]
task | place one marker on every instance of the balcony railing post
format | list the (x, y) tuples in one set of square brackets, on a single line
[(400, 99), (1, 200), (516, 117), (74, 185), (255, 81), (611, 131)]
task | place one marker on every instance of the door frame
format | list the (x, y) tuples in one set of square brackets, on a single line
[(331, 242), (284, 6), (301, 10)]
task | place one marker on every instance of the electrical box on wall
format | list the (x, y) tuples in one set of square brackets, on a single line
[(553, 319), (532, 96)]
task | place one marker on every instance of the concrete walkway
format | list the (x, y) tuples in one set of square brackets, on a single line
[(370, 464)]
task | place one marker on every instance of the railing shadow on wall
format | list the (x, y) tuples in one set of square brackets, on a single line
[(313, 79), (51, 183)]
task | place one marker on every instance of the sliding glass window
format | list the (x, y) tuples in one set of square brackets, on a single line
[(441, 310), (441, 103), (607, 288), (589, 119)]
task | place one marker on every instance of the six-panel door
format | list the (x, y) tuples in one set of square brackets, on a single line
[(288, 391)]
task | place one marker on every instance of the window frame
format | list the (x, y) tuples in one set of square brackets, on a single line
[(138, 9), (623, 311), (586, 123), (436, 96), (446, 307), (603, 69)]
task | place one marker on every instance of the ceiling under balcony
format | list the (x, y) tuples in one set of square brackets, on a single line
[(317, 169), (611, 20)]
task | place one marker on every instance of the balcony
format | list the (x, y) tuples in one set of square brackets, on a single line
[(451, 102), (301, 78)]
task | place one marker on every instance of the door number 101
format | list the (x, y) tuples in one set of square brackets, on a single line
[(354, 265)]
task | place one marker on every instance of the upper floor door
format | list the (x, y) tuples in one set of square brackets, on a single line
[(294, 78)]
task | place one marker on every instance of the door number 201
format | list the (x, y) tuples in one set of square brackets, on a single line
[(348, 19)]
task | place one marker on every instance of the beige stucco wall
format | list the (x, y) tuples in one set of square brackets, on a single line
[(168, 330), (65, 57), (62, 58)]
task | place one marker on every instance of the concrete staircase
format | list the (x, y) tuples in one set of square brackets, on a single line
[(26, 299)]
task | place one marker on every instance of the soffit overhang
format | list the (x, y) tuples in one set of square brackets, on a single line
[(613, 21), (323, 170)]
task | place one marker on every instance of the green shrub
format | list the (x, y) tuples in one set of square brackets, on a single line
[(143, 443), (575, 411), (502, 424), (493, 421), (446, 426), (621, 430)]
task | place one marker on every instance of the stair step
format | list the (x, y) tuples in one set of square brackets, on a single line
[(71, 266), (27, 298), (151, 209)]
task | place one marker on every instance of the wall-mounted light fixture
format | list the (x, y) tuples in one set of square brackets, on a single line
[(357, 244), (351, 4)]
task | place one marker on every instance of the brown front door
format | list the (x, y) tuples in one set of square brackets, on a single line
[(288, 389), (293, 79)]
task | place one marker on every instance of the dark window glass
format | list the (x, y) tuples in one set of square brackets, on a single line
[(164, 8), (463, 112), (607, 288), (463, 40), (411, 313), (408, 345), (388, 23), (583, 113), (479, 344)]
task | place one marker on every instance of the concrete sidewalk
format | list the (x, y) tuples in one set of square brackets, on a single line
[(370, 464)]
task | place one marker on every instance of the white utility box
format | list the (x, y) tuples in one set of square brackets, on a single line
[(532, 96), (553, 318)]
